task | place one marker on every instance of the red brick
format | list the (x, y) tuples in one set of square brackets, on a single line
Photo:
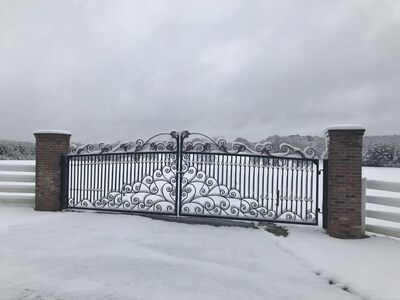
[(344, 183), (50, 147)]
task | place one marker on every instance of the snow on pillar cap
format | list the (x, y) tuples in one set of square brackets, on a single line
[(344, 127), (52, 131)]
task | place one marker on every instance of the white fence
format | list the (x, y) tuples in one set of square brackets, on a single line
[(17, 182), (381, 204)]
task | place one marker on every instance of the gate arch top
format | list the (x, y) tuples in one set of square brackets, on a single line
[(159, 142), (194, 142)]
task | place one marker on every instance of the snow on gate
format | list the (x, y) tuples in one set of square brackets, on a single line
[(190, 174)]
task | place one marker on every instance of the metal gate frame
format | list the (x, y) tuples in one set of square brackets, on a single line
[(191, 174)]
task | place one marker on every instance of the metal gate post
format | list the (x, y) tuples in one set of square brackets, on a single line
[(64, 182), (325, 211)]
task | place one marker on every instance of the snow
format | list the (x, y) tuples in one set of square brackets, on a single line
[(384, 174), (69, 255), (17, 162), (52, 131), (369, 267), (344, 127)]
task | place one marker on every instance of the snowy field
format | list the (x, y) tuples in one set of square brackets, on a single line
[(70, 255)]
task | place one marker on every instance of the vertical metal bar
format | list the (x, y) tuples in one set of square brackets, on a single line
[(267, 192), (63, 182), (325, 207), (262, 177), (282, 166), (227, 170), (297, 186), (258, 182), (239, 169), (76, 171), (302, 189), (254, 177), (113, 172), (235, 179), (249, 176), (307, 179), (97, 177), (91, 177), (69, 182), (178, 186), (226, 157), (111, 166), (287, 184), (230, 164), (117, 165), (133, 169), (136, 167), (311, 168), (243, 174), (124, 176), (80, 178), (120, 175), (74, 195), (291, 184), (277, 185), (104, 176), (108, 171), (148, 164), (315, 201), (87, 177), (219, 180)]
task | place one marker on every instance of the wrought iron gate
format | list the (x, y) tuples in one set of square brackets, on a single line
[(190, 174)]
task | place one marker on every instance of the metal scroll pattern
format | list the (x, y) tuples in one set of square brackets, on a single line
[(202, 143), (247, 188), (153, 189), (136, 177), (155, 143), (191, 174)]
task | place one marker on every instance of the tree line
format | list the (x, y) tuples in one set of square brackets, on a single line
[(378, 151)]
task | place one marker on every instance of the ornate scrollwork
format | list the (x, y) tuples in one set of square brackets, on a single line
[(254, 185), (290, 151), (203, 195), (155, 143), (154, 193), (204, 144)]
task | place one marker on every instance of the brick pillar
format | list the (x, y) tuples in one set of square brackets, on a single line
[(344, 181), (50, 146)]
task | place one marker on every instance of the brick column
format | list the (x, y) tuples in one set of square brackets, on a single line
[(50, 146), (344, 180)]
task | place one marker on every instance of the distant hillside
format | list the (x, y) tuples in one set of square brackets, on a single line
[(378, 151)]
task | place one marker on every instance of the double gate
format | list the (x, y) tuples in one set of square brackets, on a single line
[(190, 174)]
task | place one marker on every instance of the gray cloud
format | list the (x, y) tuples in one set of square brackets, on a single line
[(119, 70)]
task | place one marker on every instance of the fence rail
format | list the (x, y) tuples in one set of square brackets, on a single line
[(384, 201), (17, 182)]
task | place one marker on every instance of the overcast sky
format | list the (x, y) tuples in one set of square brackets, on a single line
[(119, 70)]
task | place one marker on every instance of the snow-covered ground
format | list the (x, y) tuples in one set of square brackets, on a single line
[(69, 255)]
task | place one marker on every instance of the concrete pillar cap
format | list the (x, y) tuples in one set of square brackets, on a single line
[(344, 127), (51, 131)]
